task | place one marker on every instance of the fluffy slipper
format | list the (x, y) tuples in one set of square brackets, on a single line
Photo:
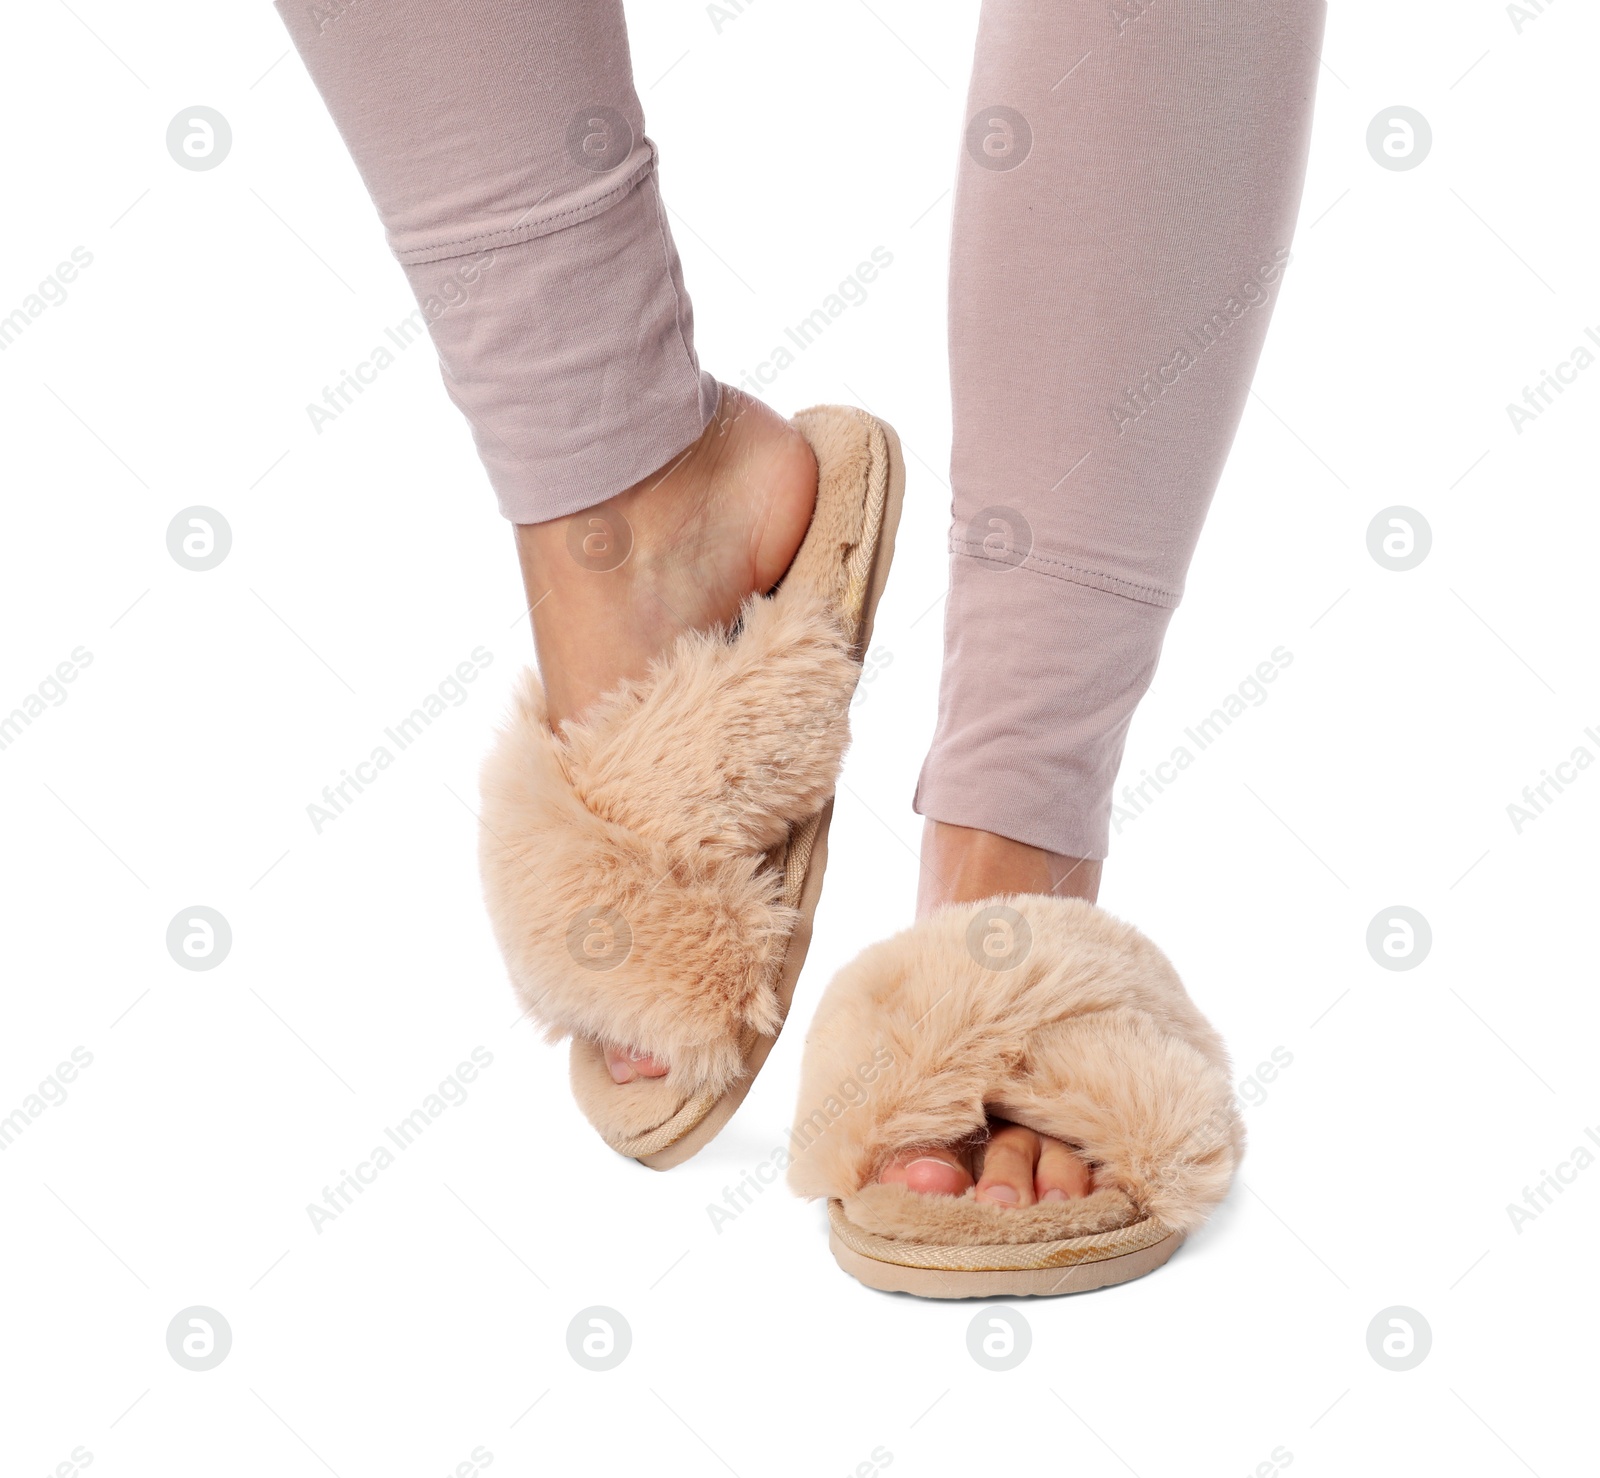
[(1042, 1011), (651, 872)]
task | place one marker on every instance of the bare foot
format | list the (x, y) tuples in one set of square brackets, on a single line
[(1015, 1166), (612, 587)]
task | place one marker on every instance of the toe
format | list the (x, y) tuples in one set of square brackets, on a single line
[(1061, 1175), (1009, 1160), (619, 1065), (935, 1172), (625, 1066)]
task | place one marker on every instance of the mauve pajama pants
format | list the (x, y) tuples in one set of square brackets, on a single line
[(1126, 197)]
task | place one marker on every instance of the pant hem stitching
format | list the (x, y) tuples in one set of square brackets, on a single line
[(1060, 569), (546, 225)]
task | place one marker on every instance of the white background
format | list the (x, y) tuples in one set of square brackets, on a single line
[(369, 560)]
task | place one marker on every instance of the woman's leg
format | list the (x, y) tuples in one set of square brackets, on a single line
[(1126, 201), (504, 147)]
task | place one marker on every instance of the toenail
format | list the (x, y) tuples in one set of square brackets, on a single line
[(931, 1160), (1006, 1195), (620, 1071), (1055, 1195)]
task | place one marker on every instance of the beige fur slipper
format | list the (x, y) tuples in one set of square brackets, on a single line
[(652, 872), (1042, 1011)]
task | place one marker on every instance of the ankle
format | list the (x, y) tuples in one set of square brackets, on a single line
[(961, 864), (609, 587)]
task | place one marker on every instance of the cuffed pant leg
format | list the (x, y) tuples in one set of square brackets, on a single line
[(503, 144), (1126, 200)]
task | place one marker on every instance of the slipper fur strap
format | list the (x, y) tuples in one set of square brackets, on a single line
[(1043, 1011), (627, 861)]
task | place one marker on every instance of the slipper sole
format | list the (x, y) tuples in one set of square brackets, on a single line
[(1010, 1270)]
